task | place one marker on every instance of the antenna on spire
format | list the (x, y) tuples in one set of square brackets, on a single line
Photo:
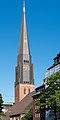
[(24, 6)]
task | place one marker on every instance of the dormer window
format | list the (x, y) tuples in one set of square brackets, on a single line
[(57, 59)]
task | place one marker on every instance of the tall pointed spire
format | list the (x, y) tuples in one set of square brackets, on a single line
[(24, 43), (24, 6), (24, 68)]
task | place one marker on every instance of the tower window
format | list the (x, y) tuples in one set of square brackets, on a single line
[(26, 61), (29, 90), (24, 91)]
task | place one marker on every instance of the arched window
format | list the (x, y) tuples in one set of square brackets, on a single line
[(29, 90), (24, 91)]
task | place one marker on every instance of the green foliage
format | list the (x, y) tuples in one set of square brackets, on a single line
[(50, 99), (1, 105), (29, 115)]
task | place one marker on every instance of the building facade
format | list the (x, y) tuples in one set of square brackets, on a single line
[(24, 82), (54, 68), (51, 71), (37, 113)]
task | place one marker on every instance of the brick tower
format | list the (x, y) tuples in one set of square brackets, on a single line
[(24, 83)]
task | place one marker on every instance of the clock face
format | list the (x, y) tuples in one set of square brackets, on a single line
[(25, 68)]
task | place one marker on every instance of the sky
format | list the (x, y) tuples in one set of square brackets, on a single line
[(43, 21)]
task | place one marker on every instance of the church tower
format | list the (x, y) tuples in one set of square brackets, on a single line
[(24, 83)]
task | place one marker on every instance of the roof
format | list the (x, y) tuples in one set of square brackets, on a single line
[(58, 62), (58, 56), (40, 86), (38, 91), (21, 107), (53, 66)]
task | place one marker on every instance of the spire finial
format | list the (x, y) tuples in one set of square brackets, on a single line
[(24, 6)]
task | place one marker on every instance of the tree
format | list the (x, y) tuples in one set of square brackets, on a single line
[(29, 115), (50, 99), (1, 105)]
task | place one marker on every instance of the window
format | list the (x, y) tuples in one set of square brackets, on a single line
[(26, 61), (24, 91), (26, 82), (36, 107), (12, 118), (37, 115), (29, 90), (55, 61)]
